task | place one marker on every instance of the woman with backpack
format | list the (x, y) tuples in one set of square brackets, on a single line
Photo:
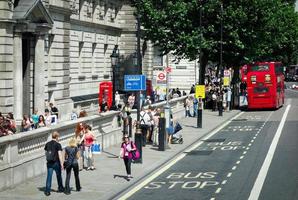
[(72, 155), (127, 149)]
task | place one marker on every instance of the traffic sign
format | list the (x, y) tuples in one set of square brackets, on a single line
[(168, 69), (161, 78), (200, 91), (134, 82)]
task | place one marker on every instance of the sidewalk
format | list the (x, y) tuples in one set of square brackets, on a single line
[(106, 181)]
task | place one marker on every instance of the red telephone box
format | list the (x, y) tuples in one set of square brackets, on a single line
[(149, 89), (106, 92)]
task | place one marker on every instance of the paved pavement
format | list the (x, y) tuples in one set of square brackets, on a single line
[(107, 180)]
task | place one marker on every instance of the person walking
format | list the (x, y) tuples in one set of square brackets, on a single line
[(127, 147), (71, 156), (54, 163), (88, 139)]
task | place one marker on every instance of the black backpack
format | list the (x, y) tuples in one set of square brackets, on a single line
[(50, 153)]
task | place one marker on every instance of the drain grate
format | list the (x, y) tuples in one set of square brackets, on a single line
[(239, 120), (199, 153), (215, 140)]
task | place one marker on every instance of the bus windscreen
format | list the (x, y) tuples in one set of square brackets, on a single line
[(259, 68)]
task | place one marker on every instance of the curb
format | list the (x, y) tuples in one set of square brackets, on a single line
[(162, 163)]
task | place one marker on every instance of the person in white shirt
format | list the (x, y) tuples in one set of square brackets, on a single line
[(145, 122), (117, 99), (48, 118)]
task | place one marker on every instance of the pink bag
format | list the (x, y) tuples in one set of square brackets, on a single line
[(135, 154)]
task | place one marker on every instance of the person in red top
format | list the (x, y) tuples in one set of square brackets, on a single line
[(88, 139)]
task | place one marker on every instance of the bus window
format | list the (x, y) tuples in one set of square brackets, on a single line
[(259, 68)]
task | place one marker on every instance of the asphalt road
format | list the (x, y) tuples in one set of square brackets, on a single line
[(252, 157)]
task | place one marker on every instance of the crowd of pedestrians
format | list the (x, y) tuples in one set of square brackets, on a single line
[(34, 121)]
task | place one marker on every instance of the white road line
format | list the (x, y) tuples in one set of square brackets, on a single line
[(224, 182), (256, 190), (234, 168), (218, 190), (171, 163), (238, 162), (229, 174)]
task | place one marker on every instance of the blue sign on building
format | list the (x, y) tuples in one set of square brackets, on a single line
[(134, 82)]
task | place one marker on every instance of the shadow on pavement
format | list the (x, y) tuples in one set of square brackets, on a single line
[(111, 155), (121, 176)]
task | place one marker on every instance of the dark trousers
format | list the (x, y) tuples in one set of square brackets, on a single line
[(75, 167), (214, 102), (144, 129), (127, 163), (50, 168)]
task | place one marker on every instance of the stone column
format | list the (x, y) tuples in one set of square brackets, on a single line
[(18, 78), (39, 75)]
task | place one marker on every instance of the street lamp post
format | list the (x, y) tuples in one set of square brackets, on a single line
[(138, 61), (114, 62), (220, 106)]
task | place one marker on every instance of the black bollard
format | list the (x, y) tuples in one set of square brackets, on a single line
[(138, 143), (130, 126), (199, 118), (200, 114), (220, 108), (162, 134)]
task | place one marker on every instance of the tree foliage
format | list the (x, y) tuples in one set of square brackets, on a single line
[(254, 30)]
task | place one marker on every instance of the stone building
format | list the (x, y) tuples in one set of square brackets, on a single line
[(59, 51)]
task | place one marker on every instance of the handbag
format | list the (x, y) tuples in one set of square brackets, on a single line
[(95, 148), (178, 128), (135, 154)]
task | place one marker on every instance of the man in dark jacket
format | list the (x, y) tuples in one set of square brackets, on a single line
[(54, 162)]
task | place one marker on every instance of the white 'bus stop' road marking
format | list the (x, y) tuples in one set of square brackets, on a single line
[(256, 190), (170, 164)]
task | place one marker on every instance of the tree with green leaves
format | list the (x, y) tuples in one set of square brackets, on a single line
[(256, 30)]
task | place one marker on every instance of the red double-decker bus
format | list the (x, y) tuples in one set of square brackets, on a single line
[(265, 85)]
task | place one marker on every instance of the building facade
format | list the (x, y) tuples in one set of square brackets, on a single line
[(59, 51)]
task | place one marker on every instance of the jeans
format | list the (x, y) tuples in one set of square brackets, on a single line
[(75, 168), (127, 163), (81, 159), (187, 113), (195, 110), (89, 157), (50, 168)]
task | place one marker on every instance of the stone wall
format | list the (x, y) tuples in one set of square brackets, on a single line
[(22, 155)]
